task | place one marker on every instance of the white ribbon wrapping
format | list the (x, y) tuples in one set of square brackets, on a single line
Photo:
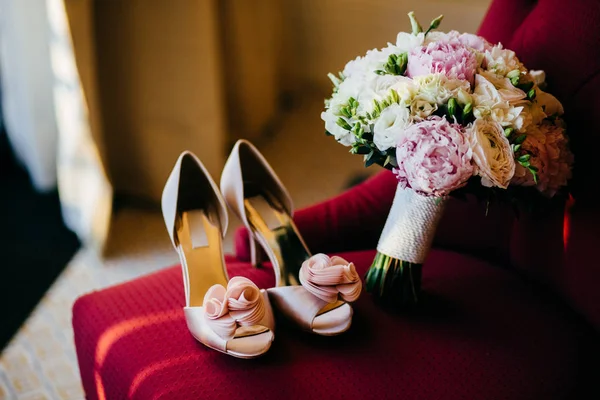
[(410, 226)]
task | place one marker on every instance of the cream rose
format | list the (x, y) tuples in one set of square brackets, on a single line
[(491, 153), (437, 88), (421, 108)]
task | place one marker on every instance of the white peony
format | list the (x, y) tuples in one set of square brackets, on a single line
[(356, 68), (491, 153), (390, 125), (341, 135), (365, 67), (501, 60)]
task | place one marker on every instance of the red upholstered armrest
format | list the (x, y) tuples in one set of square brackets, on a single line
[(354, 220)]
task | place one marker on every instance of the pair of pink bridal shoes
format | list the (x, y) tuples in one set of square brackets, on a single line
[(233, 315)]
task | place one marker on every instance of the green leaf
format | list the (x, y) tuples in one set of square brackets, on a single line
[(334, 79), (434, 24), (376, 108), (531, 94), (452, 107), (416, 27), (534, 173), (359, 149), (395, 96), (508, 132), (525, 86), (342, 122), (524, 157), (467, 113), (515, 73), (520, 139), (401, 63), (516, 148), (370, 162)]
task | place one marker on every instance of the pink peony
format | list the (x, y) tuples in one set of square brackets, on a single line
[(434, 157), (447, 56), (475, 42)]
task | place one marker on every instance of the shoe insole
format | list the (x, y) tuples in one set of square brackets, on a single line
[(200, 240), (277, 229)]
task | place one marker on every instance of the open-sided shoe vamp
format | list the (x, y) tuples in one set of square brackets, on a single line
[(300, 306)]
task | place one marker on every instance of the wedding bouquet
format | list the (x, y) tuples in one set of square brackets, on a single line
[(449, 114)]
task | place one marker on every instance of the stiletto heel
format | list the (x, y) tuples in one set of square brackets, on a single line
[(313, 291), (231, 316), (255, 254)]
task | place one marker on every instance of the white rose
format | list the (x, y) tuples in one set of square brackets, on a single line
[(505, 88), (501, 60), (489, 103), (421, 108), (491, 153), (389, 126), (405, 42), (341, 135)]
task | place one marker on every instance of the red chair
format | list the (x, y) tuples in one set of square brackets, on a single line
[(512, 308)]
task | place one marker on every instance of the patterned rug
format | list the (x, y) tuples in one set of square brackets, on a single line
[(40, 362)]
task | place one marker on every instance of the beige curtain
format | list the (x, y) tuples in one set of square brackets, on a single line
[(85, 191)]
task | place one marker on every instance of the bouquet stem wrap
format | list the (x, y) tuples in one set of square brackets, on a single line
[(395, 275)]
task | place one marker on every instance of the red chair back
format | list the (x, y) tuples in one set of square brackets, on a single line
[(562, 38)]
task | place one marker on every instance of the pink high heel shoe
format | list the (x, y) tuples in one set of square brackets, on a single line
[(231, 316), (312, 291)]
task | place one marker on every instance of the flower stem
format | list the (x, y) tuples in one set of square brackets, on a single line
[(394, 282)]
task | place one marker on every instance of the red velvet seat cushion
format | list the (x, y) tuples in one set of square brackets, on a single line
[(482, 334)]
